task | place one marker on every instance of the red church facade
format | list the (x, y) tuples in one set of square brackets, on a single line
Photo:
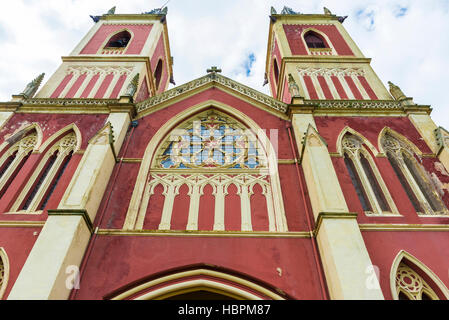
[(114, 187)]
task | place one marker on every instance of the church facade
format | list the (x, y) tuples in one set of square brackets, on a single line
[(113, 186)]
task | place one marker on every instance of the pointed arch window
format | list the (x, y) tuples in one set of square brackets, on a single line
[(14, 158), (158, 73), (44, 180), (411, 286), (276, 71), (413, 177), (212, 151), (4, 272), (368, 183)]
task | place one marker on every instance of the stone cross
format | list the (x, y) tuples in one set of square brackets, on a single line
[(213, 69)]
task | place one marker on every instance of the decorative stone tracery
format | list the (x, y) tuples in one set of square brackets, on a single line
[(412, 286)]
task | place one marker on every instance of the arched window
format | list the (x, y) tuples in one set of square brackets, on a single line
[(211, 173), (413, 177), (411, 286), (158, 73), (313, 40), (14, 158), (410, 279), (4, 271), (119, 40), (276, 71), (370, 188), (44, 180)]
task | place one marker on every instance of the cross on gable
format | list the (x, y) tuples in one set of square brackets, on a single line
[(213, 69)]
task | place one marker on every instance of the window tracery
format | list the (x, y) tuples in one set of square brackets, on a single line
[(369, 185), (411, 286), (211, 150), (43, 181), (413, 177), (211, 141), (14, 158)]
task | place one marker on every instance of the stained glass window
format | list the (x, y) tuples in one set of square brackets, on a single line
[(211, 141)]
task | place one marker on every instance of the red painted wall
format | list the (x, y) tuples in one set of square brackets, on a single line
[(17, 243), (135, 46), (159, 53), (117, 261), (428, 247), (297, 46)]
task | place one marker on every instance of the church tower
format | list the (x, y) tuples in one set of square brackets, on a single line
[(117, 48), (316, 52)]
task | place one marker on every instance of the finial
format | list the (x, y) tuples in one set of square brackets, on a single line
[(327, 11), (396, 92), (32, 87), (265, 80), (292, 86), (132, 86), (288, 10), (111, 11), (273, 10)]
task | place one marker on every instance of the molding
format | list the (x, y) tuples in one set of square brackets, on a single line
[(326, 59), (214, 79), (73, 212), (130, 160), (287, 161), (332, 215), (198, 233), (404, 227), (22, 224), (163, 286)]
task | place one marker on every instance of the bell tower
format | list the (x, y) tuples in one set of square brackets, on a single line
[(120, 50), (313, 54)]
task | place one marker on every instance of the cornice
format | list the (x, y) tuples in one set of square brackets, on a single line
[(198, 233), (326, 59), (106, 58), (214, 79), (362, 107)]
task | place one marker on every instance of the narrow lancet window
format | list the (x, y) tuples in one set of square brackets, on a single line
[(413, 177), (370, 188)]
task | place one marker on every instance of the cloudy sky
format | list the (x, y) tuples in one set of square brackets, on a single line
[(407, 39)]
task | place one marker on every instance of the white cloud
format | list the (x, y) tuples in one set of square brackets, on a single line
[(405, 38)]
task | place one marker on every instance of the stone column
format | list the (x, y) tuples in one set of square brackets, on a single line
[(343, 253)]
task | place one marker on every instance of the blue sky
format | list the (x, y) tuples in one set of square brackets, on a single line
[(405, 38)]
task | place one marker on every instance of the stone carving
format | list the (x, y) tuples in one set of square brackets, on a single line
[(288, 10), (163, 11), (111, 11), (347, 104), (32, 87), (440, 168), (68, 102), (411, 283), (293, 87), (132, 86), (396, 92), (338, 72), (104, 70), (327, 11), (192, 85)]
